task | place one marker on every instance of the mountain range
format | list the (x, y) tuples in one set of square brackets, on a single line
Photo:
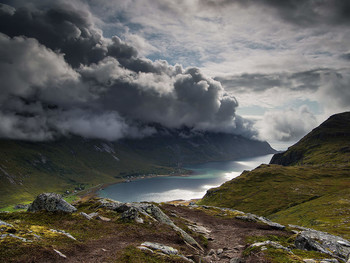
[(68, 163)]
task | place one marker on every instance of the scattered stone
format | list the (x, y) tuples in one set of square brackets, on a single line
[(219, 251), (200, 230), (3, 223), (102, 218), (92, 215), (211, 252), (164, 249), (14, 236), (60, 253), (309, 260), (51, 202), (271, 243), (86, 215), (63, 233), (21, 206), (236, 260)]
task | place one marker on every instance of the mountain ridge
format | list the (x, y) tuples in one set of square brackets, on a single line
[(307, 185), (28, 168)]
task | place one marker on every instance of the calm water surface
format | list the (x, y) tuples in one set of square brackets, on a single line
[(161, 189)]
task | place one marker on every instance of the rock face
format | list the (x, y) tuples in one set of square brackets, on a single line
[(51, 202), (335, 246)]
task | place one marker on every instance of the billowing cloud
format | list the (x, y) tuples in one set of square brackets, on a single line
[(300, 12), (287, 125), (61, 76), (266, 54)]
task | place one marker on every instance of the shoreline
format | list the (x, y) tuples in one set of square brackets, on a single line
[(93, 191)]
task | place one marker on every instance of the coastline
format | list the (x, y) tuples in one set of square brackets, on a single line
[(92, 192)]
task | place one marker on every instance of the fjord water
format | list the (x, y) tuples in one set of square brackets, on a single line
[(162, 189)]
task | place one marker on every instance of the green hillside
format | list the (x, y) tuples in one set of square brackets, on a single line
[(309, 184), (30, 168)]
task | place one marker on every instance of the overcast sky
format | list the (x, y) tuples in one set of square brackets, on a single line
[(110, 69)]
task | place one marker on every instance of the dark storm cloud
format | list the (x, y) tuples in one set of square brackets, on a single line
[(299, 12), (65, 29), (60, 76)]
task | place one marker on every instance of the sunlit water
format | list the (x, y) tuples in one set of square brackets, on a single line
[(161, 189)]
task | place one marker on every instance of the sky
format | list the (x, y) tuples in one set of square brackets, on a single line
[(111, 69)]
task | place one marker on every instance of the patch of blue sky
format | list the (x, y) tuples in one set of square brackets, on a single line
[(253, 110), (313, 106)]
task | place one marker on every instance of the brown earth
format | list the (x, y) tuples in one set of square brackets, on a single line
[(228, 234)]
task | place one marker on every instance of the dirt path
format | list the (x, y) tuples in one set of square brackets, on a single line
[(226, 239), (227, 234)]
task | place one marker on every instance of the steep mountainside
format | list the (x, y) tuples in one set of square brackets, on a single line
[(327, 144), (309, 184), (28, 168)]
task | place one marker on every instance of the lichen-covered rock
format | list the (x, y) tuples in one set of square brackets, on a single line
[(85, 215), (165, 249), (102, 218), (51, 202), (272, 244), (3, 223), (335, 246), (63, 233), (109, 204), (132, 214)]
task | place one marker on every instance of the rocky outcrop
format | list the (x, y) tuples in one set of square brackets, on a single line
[(310, 239), (51, 202), (247, 216), (162, 250), (272, 244), (63, 233), (132, 211)]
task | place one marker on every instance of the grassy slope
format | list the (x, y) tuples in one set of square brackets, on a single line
[(28, 168), (31, 168), (313, 190)]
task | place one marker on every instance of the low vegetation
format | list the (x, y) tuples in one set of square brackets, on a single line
[(308, 185)]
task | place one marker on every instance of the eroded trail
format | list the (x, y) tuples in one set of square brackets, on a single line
[(108, 231), (227, 237)]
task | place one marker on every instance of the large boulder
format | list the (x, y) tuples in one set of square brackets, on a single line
[(51, 202), (311, 239)]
